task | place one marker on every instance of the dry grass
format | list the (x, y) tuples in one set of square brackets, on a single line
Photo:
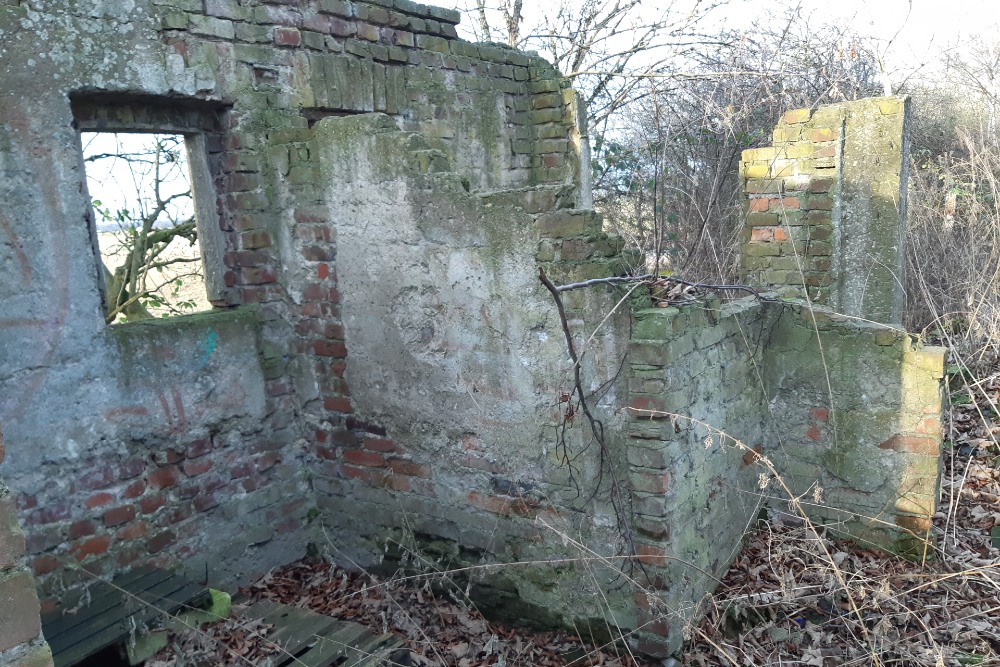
[(794, 595), (953, 251)]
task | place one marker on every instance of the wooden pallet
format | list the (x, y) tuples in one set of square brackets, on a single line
[(309, 639), (116, 610)]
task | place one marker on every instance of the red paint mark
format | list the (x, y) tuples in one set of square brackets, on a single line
[(164, 353), (175, 415), (821, 414), (22, 257), (179, 404), (23, 322), (165, 406), (29, 136), (115, 413), (813, 433)]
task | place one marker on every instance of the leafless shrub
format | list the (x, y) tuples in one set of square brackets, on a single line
[(667, 180), (953, 249)]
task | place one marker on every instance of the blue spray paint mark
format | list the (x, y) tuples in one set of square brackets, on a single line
[(207, 347)]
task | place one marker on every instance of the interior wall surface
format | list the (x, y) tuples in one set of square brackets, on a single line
[(183, 441)]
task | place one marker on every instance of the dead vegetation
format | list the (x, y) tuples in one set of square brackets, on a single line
[(437, 622), (781, 602)]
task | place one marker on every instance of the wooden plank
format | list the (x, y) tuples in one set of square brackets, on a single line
[(314, 640), (108, 606), (331, 647), (191, 596), (128, 578), (376, 652), (295, 629), (117, 631), (106, 598), (116, 624), (125, 605)]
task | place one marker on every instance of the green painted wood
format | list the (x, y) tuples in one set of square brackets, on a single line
[(295, 630), (336, 645), (134, 604), (374, 651), (102, 598), (134, 600)]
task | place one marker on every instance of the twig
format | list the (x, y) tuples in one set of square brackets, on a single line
[(596, 426), (652, 278)]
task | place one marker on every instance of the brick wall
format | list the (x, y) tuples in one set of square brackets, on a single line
[(864, 450), (400, 58), (788, 238), (826, 206), (215, 485), (695, 423), (202, 441), (847, 412), (184, 441), (384, 375), (447, 450), (21, 642)]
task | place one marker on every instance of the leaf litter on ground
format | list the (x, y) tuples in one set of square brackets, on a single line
[(436, 622)]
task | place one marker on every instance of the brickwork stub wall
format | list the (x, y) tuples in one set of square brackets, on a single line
[(21, 642), (846, 414), (826, 206)]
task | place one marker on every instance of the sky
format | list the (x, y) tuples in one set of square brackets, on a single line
[(909, 32), (917, 22), (118, 185), (913, 30)]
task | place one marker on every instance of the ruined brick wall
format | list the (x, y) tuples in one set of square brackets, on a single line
[(185, 439), (456, 448), (827, 205), (697, 418), (846, 412), (860, 425), (383, 374), (788, 238)]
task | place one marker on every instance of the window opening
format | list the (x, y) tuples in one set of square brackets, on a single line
[(141, 191)]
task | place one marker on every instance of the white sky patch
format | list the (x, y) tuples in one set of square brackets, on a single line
[(125, 188)]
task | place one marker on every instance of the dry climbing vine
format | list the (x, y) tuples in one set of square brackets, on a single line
[(620, 494)]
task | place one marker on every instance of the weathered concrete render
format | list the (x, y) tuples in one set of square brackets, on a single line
[(384, 378), (741, 405)]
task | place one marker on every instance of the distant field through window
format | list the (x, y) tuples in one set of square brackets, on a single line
[(140, 187)]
